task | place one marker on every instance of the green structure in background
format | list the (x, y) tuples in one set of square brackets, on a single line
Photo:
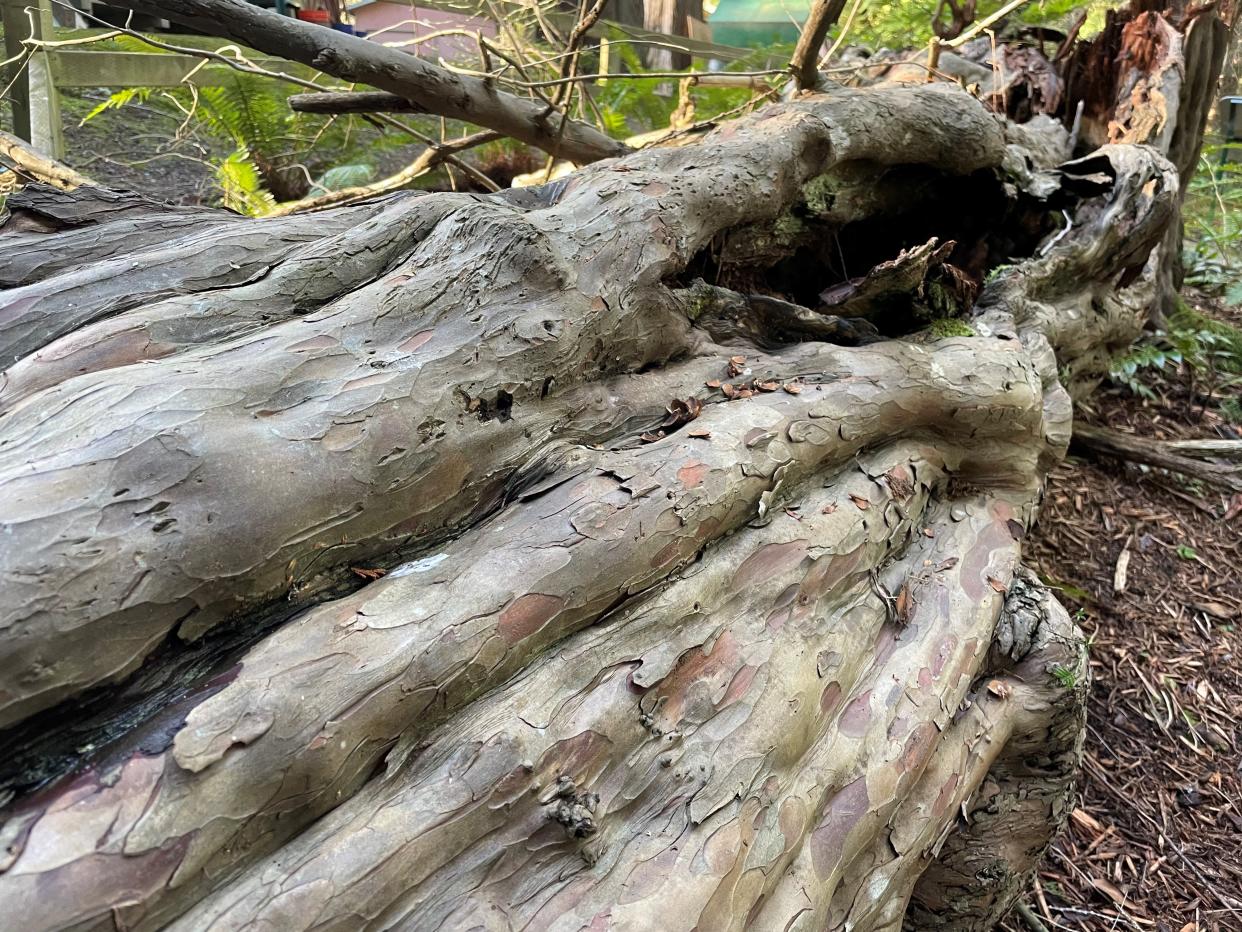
[(754, 23)]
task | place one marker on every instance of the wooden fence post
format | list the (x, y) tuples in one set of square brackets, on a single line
[(36, 106)]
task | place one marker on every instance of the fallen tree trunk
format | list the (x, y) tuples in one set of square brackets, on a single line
[(561, 556), (1164, 455)]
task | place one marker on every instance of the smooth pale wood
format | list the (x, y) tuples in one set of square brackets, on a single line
[(1228, 449), (19, 154), (1161, 455)]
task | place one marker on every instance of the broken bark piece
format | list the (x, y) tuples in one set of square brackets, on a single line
[(1030, 84), (893, 283)]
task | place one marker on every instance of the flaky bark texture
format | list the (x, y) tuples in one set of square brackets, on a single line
[(629, 552)]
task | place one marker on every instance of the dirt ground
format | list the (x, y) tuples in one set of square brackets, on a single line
[(1155, 842), (135, 149)]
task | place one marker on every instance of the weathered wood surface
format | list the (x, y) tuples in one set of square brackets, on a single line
[(411, 565)]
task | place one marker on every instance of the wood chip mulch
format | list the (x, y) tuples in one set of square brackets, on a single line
[(1155, 842)]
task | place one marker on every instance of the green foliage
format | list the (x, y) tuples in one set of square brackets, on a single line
[(118, 100), (614, 122), (898, 24), (1231, 408), (1211, 349), (1212, 252), (1063, 13), (1187, 553), (241, 184), (250, 112), (1065, 677), (997, 271), (820, 194), (1207, 345), (944, 327), (788, 228), (1130, 368), (891, 25)]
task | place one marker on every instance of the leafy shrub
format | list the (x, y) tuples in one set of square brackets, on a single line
[(1210, 349), (1212, 254)]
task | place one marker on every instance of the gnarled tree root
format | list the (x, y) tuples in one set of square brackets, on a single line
[(502, 610)]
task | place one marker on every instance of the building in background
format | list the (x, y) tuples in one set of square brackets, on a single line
[(404, 24), (757, 23)]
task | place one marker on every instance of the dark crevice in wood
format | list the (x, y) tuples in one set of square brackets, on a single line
[(861, 269)]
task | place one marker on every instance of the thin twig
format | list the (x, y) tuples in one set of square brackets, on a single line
[(649, 75), (845, 31), (984, 23), (569, 66)]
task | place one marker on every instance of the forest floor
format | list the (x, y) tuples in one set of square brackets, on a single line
[(1155, 843), (138, 148)]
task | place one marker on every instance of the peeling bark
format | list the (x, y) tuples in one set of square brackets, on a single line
[(1150, 81), (559, 557)]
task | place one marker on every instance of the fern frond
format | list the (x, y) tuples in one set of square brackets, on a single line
[(241, 185), (615, 123), (118, 100)]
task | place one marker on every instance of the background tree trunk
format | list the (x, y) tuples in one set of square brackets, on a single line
[(638, 551), (672, 18)]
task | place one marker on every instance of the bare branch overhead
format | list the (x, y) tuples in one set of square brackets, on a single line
[(432, 88), (806, 54)]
